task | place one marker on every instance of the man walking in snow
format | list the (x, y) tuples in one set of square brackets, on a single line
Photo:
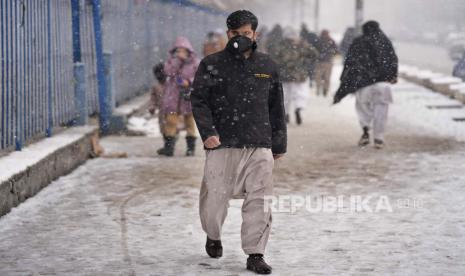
[(237, 101), (294, 58), (371, 66)]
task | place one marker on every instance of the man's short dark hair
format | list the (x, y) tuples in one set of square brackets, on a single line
[(241, 18)]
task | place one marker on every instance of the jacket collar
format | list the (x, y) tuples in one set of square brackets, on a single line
[(242, 57)]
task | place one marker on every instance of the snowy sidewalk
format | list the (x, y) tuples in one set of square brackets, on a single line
[(138, 215)]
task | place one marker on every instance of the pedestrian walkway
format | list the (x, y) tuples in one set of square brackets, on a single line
[(139, 215)]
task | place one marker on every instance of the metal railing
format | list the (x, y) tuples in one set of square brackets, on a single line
[(39, 54)]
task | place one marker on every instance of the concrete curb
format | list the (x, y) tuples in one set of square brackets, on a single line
[(24, 173), (448, 86)]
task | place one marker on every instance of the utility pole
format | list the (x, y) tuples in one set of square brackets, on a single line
[(302, 12), (293, 10), (317, 16), (358, 15)]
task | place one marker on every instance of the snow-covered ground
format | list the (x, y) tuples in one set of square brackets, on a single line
[(138, 215), (18, 161), (144, 123)]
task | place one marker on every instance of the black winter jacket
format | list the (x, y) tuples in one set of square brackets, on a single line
[(371, 59), (241, 101)]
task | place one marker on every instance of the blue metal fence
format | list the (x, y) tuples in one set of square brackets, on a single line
[(36, 74), (36, 39)]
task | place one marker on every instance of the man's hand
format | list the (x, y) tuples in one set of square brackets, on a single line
[(212, 142), (277, 156)]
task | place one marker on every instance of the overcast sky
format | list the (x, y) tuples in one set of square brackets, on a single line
[(336, 15)]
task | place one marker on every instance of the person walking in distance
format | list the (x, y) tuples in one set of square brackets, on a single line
[(294, 59), (157, 94), (327, 49), (313, 40), (237, 101), (371, 66), (214, 42)]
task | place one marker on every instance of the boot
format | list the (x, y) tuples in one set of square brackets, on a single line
[(168, 148), (365, 139), (256, 264), (325, 92), (379, 144), (298, 117), (164, 144), (214, 248), (190, 141)]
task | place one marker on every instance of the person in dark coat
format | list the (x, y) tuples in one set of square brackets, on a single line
[(237, 100), (274, 40), (369, 69), (327, 49), (313, 40), (309, 36)]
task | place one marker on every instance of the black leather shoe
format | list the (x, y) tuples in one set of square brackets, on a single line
[(214, 248), (190, 140), (365, 139), (298, 117), (379, 144), (257, 264)]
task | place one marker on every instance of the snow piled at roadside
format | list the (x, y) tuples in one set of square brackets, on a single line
[(411, 106)]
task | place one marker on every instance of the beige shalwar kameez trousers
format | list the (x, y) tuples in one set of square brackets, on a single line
[(238, 173)]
